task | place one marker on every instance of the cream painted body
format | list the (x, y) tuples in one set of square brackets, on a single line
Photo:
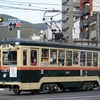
[(32, 86)]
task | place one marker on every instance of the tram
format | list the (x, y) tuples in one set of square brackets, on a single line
[(27, 65)]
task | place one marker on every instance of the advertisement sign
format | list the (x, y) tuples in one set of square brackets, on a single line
[(13, 71)]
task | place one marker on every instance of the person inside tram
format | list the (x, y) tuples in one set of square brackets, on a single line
[(33, 58)]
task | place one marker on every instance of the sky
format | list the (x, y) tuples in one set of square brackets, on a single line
[(31, 10)]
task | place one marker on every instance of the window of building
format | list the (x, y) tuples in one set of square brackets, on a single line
[(68, 58)]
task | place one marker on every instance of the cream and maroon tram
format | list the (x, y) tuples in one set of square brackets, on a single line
[(27, 65)]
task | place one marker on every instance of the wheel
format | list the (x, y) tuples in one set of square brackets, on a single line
[(16, 90)]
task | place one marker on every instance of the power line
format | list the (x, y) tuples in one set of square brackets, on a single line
[(21, 8), (30, 3)]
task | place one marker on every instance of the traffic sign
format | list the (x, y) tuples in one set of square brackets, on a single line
[(4, 23)]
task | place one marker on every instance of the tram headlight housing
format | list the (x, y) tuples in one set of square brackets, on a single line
[(4, 75)]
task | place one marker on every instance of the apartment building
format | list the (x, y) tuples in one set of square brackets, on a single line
[(76, 31), (94, 29), (87, 7), (70, 14)]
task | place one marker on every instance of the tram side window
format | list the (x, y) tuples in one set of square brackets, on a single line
[(61, 57), (33, 57), (82, 58), (89, 58), (75, 57), (53, 57), (95, 58), (24, 57), (44, 57), (68, 58), (10, 58)]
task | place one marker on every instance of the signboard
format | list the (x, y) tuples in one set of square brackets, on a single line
[(3, 24), (13, 71), (13, 21)]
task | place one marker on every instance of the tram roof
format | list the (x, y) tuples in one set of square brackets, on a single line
[(27, 42)]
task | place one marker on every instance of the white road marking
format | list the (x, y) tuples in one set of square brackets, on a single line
[(1, 89)]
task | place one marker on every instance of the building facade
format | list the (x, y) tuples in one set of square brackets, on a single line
[(70, 14), (94, 29), (76, 31), (87, 7)]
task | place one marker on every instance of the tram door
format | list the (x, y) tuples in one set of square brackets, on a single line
[(30, 57)]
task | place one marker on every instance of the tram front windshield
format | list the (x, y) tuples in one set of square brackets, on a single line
[(9, 58)]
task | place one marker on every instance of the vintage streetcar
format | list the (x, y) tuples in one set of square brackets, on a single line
[(27, 65)]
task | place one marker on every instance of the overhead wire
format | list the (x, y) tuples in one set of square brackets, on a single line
[(19, 4), (31, 3)]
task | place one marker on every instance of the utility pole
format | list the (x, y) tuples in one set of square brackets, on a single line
[(98, 29)]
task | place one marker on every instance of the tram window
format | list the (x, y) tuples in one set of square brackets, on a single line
[(82, 58), (61, 57), (44, 57), (53, 57), (68, 58), (75, 57), (24, 57), (33, 57), (95, 59), (10, 58), (89, 58)]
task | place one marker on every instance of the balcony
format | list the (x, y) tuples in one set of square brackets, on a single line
[(86, 34), (81, 24), (81, 13), (86, 9), (81, 35), (86, 22)]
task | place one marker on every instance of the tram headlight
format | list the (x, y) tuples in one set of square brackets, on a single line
[(4, 75)]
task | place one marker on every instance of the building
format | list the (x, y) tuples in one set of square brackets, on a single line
[(87, 7), (76, 30), (70, 14), (94, 28), (93, 31)]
